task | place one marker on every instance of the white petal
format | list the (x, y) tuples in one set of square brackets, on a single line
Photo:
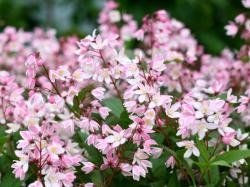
[(196, 151), (188, 153)]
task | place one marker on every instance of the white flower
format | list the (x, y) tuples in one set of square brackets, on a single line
[(142, 92), (13, 127), (241, 136), (78, 75), (99, 43), (116, 139), (231, 98), (36, 184), (114, 16), (246, 3), (54, 150), (62, 73), (23, 160), (53, 178), (159, 100), (158, 65), (171, 110), (191, 148), (200, 127)]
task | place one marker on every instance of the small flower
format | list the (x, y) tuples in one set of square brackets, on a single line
[(138, 171), (88, 167), (171, 110), (55, 149), (229, 139), (231, 29), (246, 3), (12, 127), (116, 139), (36, 184), (191, 148), (98, 93), (170, 162)]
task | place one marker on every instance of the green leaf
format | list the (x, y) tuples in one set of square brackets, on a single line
[(97, 178), (9, 180), (212, 176), (115, 105), (157, 184), (173, 180), (233, 155), (78, 98), (221, 163), (94, 155), (203, 150), (159, 171), (3, 139), (81, 95), (183, 163), (76, 104), (125, 121), (223, 96)]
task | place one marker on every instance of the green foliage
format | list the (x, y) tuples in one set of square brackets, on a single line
[(115, 105), (232, 156)]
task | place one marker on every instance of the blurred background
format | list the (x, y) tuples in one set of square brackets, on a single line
[(205, 18)]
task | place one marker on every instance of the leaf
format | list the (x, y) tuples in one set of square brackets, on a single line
[(97, 178), (223, 96), (221, 163), (159, 170), (94, 155), (233, 155), (202, 165), (9, 180), (115, 105), (173, 180), (78, 99), (184, 163), (157, 184), (76, 104), (202, 148), (125, 121), (3, 139), (212, 176), (81, 95)]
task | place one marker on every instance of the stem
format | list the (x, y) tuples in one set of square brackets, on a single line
[(58, 93), (112, 79)]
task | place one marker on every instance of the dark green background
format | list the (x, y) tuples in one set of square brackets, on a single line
[(206, 18)]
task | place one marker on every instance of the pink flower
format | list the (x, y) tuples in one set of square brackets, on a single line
[(88, 167), (246, 3), (229, 139), (170, 162), (231, 29), (36, 184), (19, 171), (104, 112), (126, 169), (139, 34), (98, 93), (240, 19), (137, 172), (89, 125)]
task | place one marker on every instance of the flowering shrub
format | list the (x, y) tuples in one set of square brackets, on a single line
[(127, 105)]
